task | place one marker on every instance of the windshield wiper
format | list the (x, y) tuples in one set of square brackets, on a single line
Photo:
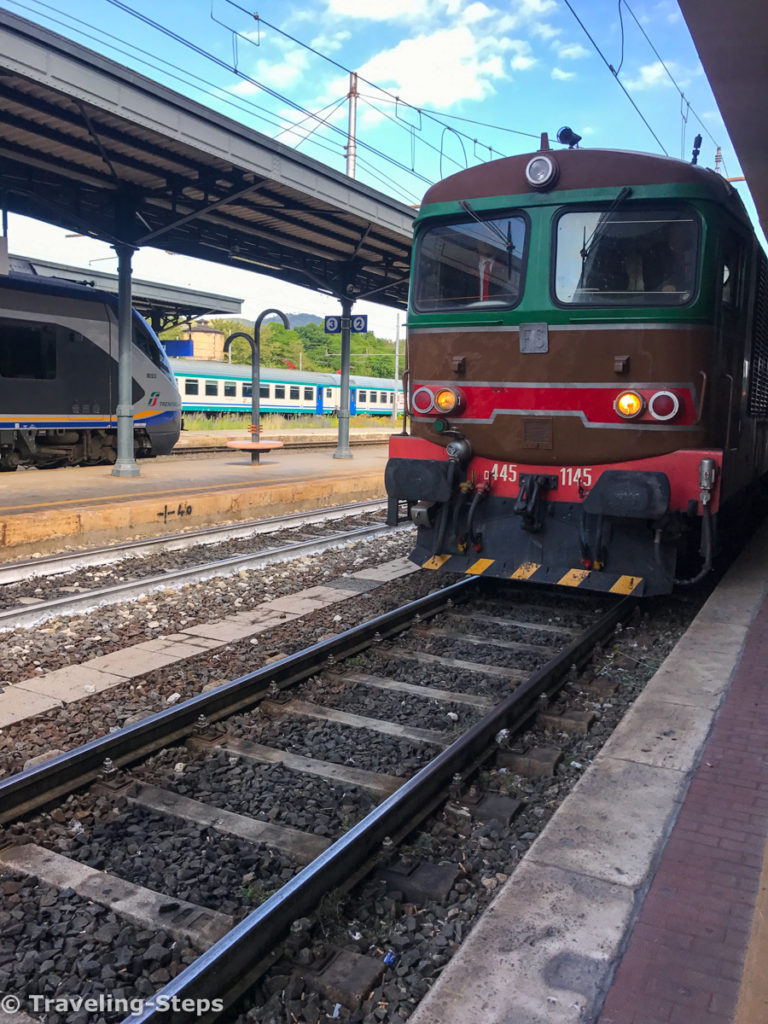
[(602, 223), (494, 229)]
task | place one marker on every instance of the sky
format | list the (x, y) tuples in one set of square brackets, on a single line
[(442, 84)]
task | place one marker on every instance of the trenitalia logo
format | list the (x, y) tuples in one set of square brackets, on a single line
[(153, 398)]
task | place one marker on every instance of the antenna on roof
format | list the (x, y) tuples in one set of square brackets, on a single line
[(544, 141)]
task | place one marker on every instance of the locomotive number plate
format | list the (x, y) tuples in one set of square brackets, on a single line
[(571, 475), (502, 471)]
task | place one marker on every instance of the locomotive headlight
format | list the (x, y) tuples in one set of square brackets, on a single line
[(541, 172), (447, 400), (629, 405)]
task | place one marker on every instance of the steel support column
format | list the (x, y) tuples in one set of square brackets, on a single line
[(126, 463)]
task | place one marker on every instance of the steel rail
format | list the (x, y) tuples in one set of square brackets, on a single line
[(37, 786), (89, 600), (230, 966), (52, 565)]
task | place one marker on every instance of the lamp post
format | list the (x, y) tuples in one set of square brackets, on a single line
[(255, 343)]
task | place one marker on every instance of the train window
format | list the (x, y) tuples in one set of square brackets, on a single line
[(263, 391), (294, 393), (191, 387), (279, 390), (27, 350), (472, 264), (733, 261), (329, 392), (632, 255), (212, 387), (383, 397), (230, 389), (362, 396), (144, 339), (374, 398), (309, 394), (247, 390)]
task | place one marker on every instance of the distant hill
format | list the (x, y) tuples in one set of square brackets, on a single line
[(297, 319)]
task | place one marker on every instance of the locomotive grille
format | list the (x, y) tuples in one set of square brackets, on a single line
[(758, 374), (537, 432)]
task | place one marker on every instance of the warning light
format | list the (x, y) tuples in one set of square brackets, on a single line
[(629, 405)]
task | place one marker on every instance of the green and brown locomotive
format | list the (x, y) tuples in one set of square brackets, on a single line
[(587, 369)]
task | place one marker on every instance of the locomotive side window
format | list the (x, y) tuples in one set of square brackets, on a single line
[(733, 261), (471, 264), (27, 350), (632, 256)]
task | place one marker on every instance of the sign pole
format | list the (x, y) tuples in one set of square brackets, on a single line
[(342, 449)]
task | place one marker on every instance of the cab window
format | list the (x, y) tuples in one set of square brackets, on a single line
[(475, 263), (630, 255)]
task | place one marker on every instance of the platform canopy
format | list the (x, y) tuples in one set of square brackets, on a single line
[(732, 43), (93, 147), (164, 305)]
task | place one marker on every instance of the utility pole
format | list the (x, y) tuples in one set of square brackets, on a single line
[(352, 130)]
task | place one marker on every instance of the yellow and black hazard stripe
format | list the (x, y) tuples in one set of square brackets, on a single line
[(532, 572)]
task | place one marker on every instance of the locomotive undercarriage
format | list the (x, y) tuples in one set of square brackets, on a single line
[(49, 449), (622, 539)]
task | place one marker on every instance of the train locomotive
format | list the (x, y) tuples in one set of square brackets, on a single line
[(587, 370), (59, 377)]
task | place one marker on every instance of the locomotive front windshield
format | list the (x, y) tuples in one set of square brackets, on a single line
[(472, 264), (634, 256)]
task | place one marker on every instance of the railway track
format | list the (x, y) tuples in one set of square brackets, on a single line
[(385, 750), (147, 572), (207, 449)]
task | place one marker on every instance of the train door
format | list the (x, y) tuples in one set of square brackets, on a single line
[(319, 400), (352, 401), (733, 275)]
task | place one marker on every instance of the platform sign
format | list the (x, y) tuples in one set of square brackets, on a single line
[(356, 324)]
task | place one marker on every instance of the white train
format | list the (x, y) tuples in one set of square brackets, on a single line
[(209, 386), (59, 377)]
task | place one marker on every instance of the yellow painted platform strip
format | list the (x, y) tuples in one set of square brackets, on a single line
[(435, 561), (626, 584), (478, 568), (573, 578), (525, 571)]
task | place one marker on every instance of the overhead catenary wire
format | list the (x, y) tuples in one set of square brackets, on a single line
[(615, 75)]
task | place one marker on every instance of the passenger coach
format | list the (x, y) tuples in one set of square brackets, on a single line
[(213, 387)]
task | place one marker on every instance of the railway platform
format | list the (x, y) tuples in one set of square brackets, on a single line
[(70, 507), (645, 899)]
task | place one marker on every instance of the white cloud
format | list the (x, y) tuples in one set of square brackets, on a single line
[(331, 42), (438, 69), (522, 63), (562, 76), (476, 12), (574, 51), (545, 31), (376, 10), (650, 76)]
